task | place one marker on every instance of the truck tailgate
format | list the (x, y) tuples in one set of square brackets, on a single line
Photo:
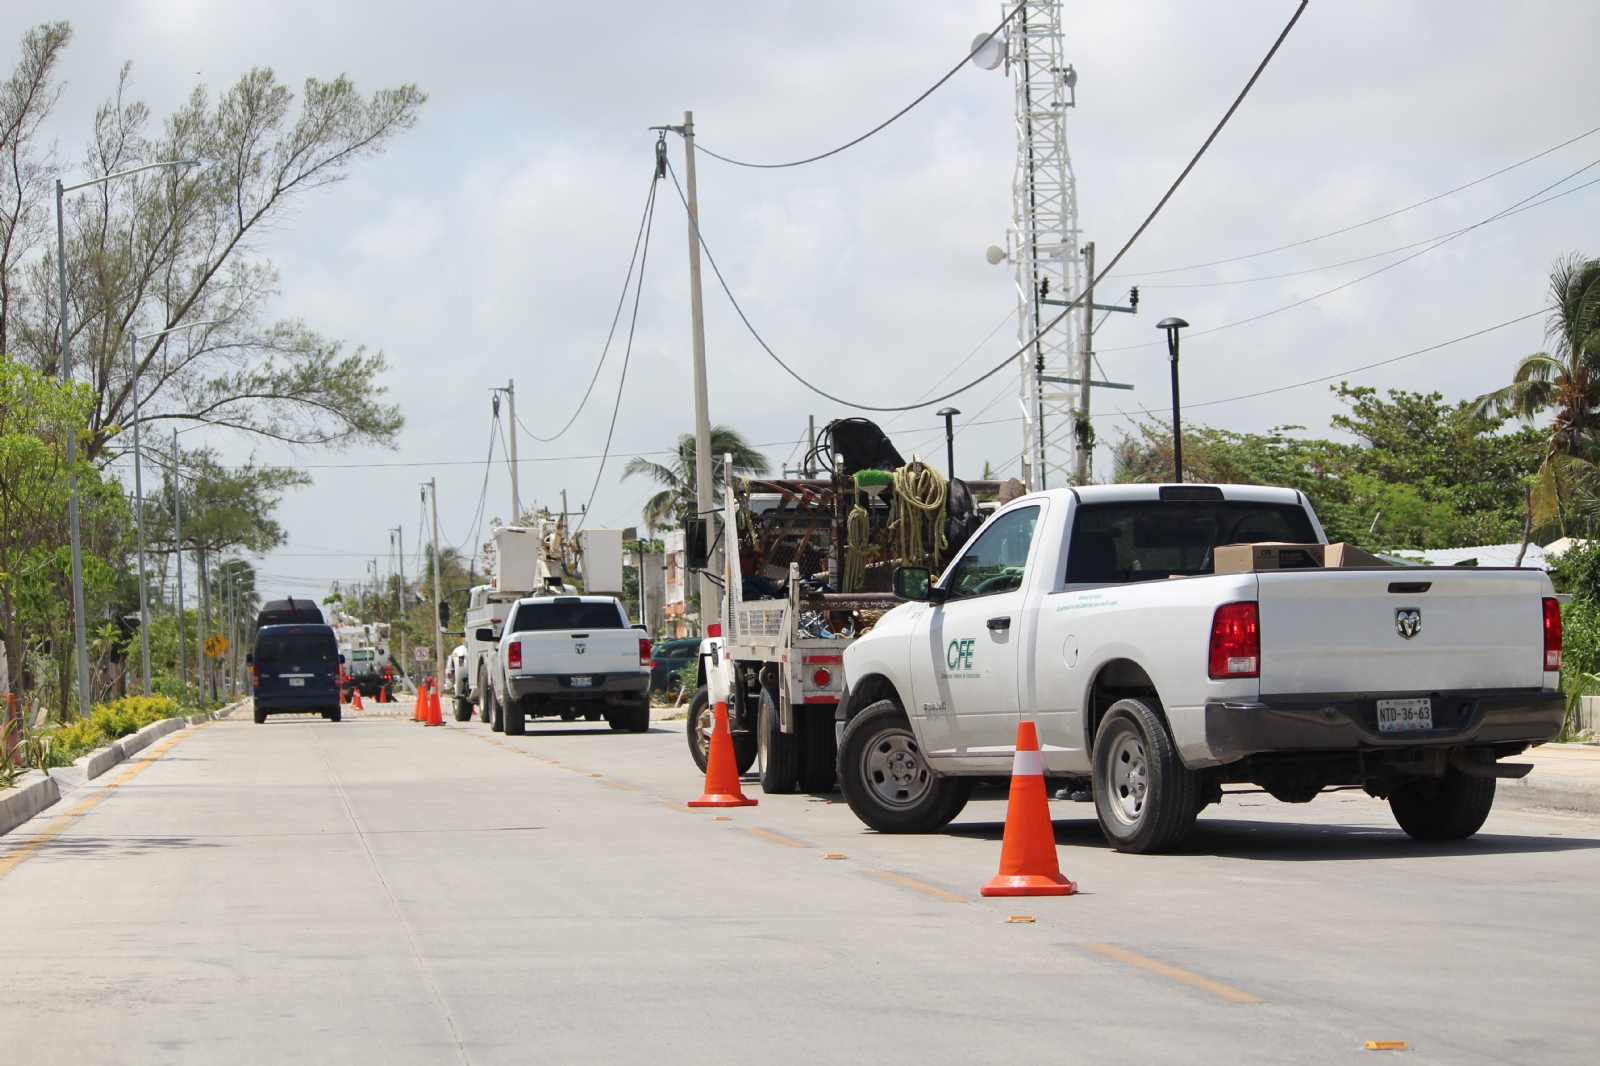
[(1326, 631), (596, 651)]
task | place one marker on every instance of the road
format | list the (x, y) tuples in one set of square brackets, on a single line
[(375, 891)]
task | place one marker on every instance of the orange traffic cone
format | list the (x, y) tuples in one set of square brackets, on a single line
[(722, 772), (1028, 864), (420, 714), (355, 700), (434, 715)]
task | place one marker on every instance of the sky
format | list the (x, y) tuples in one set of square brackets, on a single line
[(490, 242)]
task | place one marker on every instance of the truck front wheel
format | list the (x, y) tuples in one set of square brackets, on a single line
[(1452, 807), (887, 780), (702, 715), (1146, 798), (463, 709)]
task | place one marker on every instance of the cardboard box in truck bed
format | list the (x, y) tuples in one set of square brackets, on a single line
[(1279, 555)]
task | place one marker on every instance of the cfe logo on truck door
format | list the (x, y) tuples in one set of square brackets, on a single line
[(958, 657)]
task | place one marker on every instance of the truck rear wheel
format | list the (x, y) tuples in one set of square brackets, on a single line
[(515, 718), (1146, 798), (463, 710), (702, 715), (887, 780), (1452, 807), (819, 753), (261, 716), (780, 756)]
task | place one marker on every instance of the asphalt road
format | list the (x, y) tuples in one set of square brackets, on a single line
[(374, 891)]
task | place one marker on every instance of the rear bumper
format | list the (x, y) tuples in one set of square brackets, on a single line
[(310, 699), (1234, 730), (601, 686)]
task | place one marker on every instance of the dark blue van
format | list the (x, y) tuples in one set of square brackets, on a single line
[(295, 670)]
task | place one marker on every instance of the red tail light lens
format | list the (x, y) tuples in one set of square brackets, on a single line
[(1552, 634), (255, 677), (514, 654), (822, 679), (644, 652), (1235, 641)]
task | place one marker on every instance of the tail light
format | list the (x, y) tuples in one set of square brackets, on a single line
[(255, 677), (822, 679), (644, 652), (1552, 634), (514, 655), (1236, 641)]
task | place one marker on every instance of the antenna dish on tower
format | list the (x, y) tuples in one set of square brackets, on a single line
[(988, 51)]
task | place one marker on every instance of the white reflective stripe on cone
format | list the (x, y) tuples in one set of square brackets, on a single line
[(1027, 764)]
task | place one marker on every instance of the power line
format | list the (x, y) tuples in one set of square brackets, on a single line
[(649, 205), (1368, 222), (882, 125), (1047, 327), (627, 352)]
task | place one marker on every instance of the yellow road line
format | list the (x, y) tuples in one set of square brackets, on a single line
[(1193, 980), (43, 836), (679, 806), (920, 886), (776, 838), (619, 784)]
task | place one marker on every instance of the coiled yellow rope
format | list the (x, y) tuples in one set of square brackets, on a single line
[(918, 525), (860, 549)]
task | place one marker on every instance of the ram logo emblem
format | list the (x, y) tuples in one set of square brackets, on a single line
[(579, 648), (1408, 621)]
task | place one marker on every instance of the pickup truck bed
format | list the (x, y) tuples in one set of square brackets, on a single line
[(1154, 681)]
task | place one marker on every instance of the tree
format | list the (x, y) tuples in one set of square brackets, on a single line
[(677, 499), (1564, 380), (155, 250)]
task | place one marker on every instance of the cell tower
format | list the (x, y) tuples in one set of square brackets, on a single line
[(1043, 245)]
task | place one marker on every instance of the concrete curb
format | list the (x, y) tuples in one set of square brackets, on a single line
[(1549, 791), (33, 793)]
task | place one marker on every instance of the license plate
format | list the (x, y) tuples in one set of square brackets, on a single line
[(582, 682), (297, 682), (1401, 716)]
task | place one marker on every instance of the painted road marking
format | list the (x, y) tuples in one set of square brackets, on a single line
[(1193, 980), (619, 784), (679, 806), (776, 838), (920, 886), (44, 835)]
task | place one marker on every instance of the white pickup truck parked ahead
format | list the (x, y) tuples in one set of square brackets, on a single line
[(1155, 681), (572, 656)]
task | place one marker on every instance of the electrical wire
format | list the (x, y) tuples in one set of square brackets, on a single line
[(1047, 327), (882, 125), (627, 354), (649, 205), (1368, 222)]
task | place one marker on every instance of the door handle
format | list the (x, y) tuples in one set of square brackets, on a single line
[(1003, 622)]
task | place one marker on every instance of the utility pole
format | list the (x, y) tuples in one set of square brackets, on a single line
[(400, 557), (438, 630), (710, 605), (811, 443), (177, 543), (1081, 430), (516, 488), (203, 672), (138, 496)]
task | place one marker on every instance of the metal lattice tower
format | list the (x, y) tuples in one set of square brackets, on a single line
[(1043, 244)]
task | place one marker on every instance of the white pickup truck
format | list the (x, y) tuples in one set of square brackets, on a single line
[(1154, 681), (570, 656)]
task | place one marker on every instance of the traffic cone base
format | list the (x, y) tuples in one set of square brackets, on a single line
[(722, 774), (1028, 865), (355, 700)]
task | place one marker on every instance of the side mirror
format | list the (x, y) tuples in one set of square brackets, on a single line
[(641, 627), (341, 660), (249, 658), (444, 613), (485, 634), (912, 582), (696, 543)]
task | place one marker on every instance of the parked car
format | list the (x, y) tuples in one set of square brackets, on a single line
[(670, 657), (1154, 680), (295, 670)]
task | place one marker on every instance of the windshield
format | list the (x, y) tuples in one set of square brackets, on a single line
[(556, 614), (1152, 540), (295, 647), (362, 655)]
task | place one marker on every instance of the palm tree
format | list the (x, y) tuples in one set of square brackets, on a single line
[(678, 497), (1565, 380)]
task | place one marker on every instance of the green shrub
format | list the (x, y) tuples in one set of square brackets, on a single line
[(79, 738), (132, 713)]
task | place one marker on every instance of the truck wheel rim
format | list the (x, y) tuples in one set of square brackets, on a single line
[(895, 769), (1130, 778), (703, 723)]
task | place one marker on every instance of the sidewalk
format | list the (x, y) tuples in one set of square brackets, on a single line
[(1565, 776)]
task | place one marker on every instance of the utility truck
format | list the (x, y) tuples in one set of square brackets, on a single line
[(527, 562), (364, 648), (1169, 640), (786, 622)]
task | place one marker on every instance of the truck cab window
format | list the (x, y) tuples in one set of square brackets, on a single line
[(997, 557), (555, 614), (1152, 540)]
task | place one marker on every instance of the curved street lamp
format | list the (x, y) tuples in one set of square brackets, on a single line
[(1172, 326), (949, 413)]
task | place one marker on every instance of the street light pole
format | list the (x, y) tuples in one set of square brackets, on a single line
[(79, 632), (948, 414), (438, 628), (710, 603), (177, 546), (1172, 326)]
